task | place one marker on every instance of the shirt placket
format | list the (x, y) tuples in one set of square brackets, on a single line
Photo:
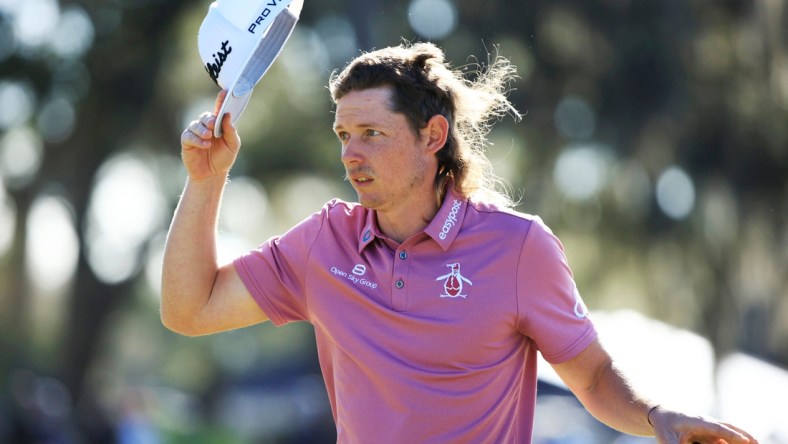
[(400, 285)]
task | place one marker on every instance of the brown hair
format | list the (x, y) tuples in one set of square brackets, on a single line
[(424, 85)]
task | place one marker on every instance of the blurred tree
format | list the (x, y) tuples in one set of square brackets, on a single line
[(123, 65), (692, 84)]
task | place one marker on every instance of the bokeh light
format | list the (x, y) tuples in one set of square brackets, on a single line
[(675, 193), (581, 171), (432, 19), (246, 210), (52, 245), (73, 35), (17, 100), (9, 5), (720, 215), (21, 153), (35, 21), (126, 207), (632, 190), (574, 118), (339, 38), (301, 195), (43, 394), (306, 64), (57, 119)]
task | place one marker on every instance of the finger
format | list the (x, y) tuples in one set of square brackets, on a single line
[(200, 129), (189, 140), (227, 124), (230, 132), (732, 435), (718, 432), (219, 100), (751, 439), (209, 122), (207, 119), (199, 133)]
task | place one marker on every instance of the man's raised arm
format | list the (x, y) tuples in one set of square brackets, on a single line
[(197, 295)]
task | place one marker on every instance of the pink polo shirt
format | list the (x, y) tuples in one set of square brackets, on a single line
[(433, 340)]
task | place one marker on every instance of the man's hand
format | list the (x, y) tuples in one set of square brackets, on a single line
[(203, 155), (676, 428)]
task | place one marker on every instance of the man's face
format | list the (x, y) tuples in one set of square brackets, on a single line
[(385, 160)]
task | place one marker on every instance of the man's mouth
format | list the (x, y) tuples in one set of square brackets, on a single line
[(359, 177)]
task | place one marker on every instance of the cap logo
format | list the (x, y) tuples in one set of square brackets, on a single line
[(238, 41), (219, 58), (263, 15)]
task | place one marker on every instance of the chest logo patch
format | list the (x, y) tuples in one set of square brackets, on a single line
[(454, 282)]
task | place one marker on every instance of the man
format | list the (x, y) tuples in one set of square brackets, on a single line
[(429, 298)]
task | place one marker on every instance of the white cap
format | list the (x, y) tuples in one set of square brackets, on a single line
[(238, 41)]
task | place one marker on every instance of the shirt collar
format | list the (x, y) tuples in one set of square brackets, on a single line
[(443, 228), (369, 232), (447, 221)]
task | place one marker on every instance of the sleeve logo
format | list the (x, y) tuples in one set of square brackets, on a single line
[(580, 308)]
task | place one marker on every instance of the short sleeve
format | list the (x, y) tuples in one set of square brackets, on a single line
[(550, 309), (275, 272)]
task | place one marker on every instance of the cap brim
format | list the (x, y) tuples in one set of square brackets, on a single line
[(256, 66)]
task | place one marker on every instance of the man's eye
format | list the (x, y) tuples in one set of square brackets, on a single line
[(371, 132), (343, 136)]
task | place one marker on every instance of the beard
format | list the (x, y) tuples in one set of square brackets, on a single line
[(385, 194)]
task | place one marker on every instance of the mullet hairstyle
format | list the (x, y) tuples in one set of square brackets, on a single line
[(423, 84)]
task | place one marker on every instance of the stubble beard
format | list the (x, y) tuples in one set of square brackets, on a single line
[(381, 202)]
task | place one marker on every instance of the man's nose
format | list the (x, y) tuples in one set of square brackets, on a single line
[(351, 152)]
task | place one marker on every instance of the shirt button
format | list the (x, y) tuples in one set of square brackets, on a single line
[(400, 283), (403, 255)]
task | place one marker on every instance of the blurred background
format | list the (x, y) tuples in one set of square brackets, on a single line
[(654, 143)]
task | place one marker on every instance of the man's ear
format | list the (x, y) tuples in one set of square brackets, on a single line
[(435, 133)]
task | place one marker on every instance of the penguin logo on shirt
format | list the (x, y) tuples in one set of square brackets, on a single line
[(453, 282)]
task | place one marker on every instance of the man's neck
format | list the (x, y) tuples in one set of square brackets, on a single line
[(401, 224)]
